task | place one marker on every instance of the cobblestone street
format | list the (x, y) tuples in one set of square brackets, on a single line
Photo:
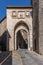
[(21, 57), (24, 57)]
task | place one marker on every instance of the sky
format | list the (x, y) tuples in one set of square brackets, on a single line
[(4, 3)]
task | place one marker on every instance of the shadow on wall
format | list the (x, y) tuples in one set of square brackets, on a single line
[(3, 41), (36, 39), (36, 29)]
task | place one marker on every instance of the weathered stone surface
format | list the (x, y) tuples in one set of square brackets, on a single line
[(3, 34), (27, 58), (18, 23), (41, 26), (36, 26)]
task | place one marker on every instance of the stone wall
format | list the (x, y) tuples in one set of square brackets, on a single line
[(0, 32), (41, 26), (38, 25), (20, 22), (3, 34), (35, 26), (3, 25)]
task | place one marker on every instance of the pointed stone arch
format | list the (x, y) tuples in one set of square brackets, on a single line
[(21, 25)]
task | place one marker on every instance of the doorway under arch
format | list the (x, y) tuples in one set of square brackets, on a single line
[(21, 28), (22, 39)]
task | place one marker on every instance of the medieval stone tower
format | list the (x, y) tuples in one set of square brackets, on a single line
[(38, 25), (23, 28)]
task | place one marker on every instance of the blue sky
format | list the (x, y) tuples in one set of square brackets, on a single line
[(4, 3)]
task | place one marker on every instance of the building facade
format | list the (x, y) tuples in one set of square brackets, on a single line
[(23, 28), (19, 21)]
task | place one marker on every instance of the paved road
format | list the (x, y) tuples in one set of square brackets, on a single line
[(24, 57), (8, 61), (21, 57), (6, 58)]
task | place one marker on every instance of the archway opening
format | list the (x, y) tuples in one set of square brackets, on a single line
[(21, 36), (22, 39)]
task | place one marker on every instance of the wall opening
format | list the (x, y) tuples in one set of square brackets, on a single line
[(36, 46), (21, 36), (22, 39)]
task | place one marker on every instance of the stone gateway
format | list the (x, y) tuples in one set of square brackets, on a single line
[(22, 28), (19, 26)]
